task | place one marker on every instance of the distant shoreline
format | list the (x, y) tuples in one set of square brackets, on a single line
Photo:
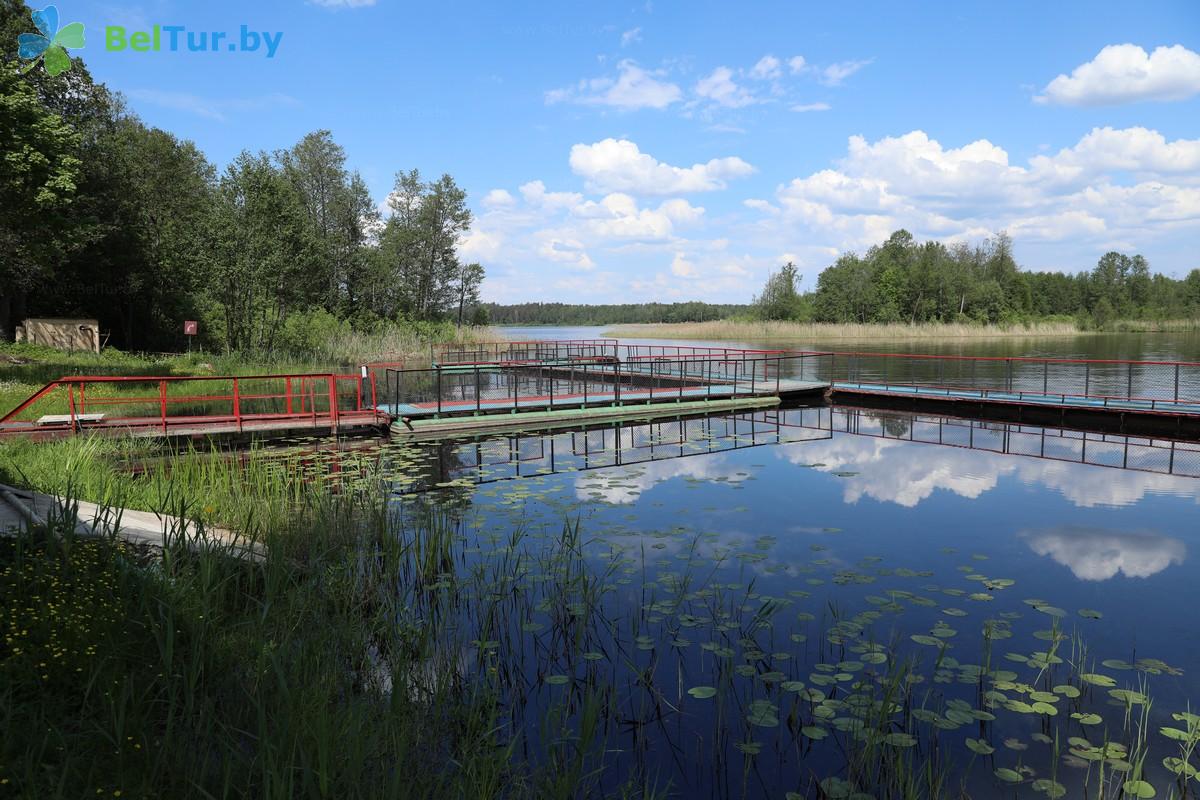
[(760, 331)]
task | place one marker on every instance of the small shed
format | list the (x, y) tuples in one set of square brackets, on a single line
[(62, 334)]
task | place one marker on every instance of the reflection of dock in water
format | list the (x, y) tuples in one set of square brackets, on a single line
[(1139, 453), (488, 459)]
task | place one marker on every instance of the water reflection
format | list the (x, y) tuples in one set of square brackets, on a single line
[(665, 447), (1097, 554), (969, 457)]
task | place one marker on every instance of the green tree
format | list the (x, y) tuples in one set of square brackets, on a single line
[(418, 249), (39, 175), (779, 298), (467, 280), (263, 252)]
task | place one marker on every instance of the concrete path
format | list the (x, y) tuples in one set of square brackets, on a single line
[(20, 507)]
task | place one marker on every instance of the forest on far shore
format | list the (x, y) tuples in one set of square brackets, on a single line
[(906, 281)]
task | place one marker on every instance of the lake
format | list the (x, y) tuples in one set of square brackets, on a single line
[(1181, 346), (830, 602)]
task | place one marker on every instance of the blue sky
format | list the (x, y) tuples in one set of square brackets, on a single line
[(670, 151)]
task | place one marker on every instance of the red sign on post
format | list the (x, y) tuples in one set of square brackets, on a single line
[(190, 327)]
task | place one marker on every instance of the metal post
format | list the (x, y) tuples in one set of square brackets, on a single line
[(1176, 395), (1008, 384), (162, 402), (477, 391), (237, 405), (1129, 381), (333, 404), (1087, 378), (1045, 377), (438, 372)]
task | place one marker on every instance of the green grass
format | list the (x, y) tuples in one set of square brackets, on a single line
[(252, 491), (205, 676)]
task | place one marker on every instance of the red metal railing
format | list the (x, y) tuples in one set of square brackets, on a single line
[(196, 402), (533, 350)]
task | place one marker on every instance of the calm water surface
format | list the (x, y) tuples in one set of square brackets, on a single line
[(828, 601), (1147, 346)]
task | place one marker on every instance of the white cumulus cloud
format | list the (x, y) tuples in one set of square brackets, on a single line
[(618, 165), (1125, 73), (1081, 194)]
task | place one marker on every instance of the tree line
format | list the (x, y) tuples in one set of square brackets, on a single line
[(902, 280), (581, 314), (106, 217)]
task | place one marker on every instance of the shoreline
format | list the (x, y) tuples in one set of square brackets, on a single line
[(798, 331)]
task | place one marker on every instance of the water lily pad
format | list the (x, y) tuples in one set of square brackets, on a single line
[(1008, 775), (1128, 696), (1096, 679), (1090, 613), (763, 714), (702, 692), (557, 680), (980, 746), (1179, 766), (900, 739), (1140, 789), (814, 731), (1052, 789), (1176, 734)]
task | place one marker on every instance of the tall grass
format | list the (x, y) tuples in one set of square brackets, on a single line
[(208, 676), (1153, 325), (798, 331), (253, 491)]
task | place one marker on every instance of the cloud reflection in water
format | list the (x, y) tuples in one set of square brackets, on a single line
[(1097, 554), (905, 473)]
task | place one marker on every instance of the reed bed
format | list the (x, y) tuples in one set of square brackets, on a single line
[(733, 330)]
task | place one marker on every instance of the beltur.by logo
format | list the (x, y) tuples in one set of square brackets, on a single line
[(176, 38), (49, 46)]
